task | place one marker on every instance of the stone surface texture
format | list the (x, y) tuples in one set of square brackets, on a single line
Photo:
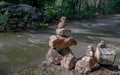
[(68, 62), (86, 64)]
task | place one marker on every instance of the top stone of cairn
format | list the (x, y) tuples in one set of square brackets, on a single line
[(62, 22)]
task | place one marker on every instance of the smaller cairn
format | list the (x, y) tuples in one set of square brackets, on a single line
[(105, 55), (60, 52), (88, 62)]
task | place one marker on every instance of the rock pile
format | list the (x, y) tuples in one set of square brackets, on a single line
[(88, 62), (101, 56), (59, 52)]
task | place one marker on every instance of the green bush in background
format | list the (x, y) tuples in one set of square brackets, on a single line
[(35, 25), (50, 13), (54, 9), (4, 4)]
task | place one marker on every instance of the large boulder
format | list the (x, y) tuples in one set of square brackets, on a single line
[(18, 17), (22, 10)]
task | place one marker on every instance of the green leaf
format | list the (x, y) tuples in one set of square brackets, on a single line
[(3, 19)]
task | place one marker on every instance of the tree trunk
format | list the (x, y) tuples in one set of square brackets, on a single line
[(79, 5), (98, 3)]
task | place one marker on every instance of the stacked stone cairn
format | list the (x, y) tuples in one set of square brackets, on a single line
[(88, 62), (59, 52)]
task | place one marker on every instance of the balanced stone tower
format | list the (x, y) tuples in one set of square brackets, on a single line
[(88, 62), (59, 52)]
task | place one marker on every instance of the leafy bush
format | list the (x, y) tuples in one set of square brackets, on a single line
[(50, 13), (36, 25), (88, 12), (54, 9), (116, 6), (4, 4), (26, 17), (4, 17)]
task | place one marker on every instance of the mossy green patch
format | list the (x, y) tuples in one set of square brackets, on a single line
[(18, 57)]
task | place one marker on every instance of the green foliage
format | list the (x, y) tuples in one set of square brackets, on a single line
[(70, 8), (4, 18), (88, 12), (65, 7), (50, 13), (26, 17), (58, 2), (35, 25), (116, 6), (54, 9), (4, 4)]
